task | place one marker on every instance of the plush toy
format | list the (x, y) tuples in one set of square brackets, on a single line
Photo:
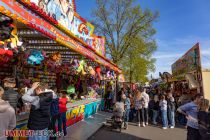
[(81, 67), (35, 58), (98, 72), (5, 55), (108, 74), (75, 64), (112, 75), (71, 89), (56, 57), (5, 27), (91, 71), (8, 34)]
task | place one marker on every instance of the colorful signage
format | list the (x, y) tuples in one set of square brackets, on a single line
[(63, 12), (13, 9), (60, 10), (188, 63)]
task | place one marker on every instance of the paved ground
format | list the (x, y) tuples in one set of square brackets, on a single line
[(86, 128), (140, 133)]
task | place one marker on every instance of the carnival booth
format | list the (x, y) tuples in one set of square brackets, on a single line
[(55, 46), (187, 73)]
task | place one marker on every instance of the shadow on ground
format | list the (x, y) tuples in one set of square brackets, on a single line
[(112, 134)]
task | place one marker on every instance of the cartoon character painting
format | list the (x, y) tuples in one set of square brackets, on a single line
[(61, 10)]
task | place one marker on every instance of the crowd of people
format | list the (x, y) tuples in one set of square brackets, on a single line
[(165, 110), (47, 107), (142, 106)]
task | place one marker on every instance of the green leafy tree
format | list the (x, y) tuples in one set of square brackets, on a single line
[(128, 31)]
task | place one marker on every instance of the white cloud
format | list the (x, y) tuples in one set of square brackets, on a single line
[(163, 55), (171, 50)]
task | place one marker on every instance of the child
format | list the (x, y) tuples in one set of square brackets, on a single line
[(163, 109), (62, 110), (204, 120), (127, 110)]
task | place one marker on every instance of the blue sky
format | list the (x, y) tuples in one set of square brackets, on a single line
[(182, 23)]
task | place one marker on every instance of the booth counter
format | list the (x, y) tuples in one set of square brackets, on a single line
[(76, 112)]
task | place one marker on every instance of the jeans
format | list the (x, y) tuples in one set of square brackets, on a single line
[(192, 133), (164, 118), (171, 118), (182, 119), (127, 112), (62, 122), (140, 116), (154, 116), (131, 115), (108, 104), (146, 115), (37, 137), (52, 124)]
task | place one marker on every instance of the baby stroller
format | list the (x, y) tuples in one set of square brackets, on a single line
[(118, 117)]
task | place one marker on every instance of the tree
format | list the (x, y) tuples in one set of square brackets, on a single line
[(127, 29)]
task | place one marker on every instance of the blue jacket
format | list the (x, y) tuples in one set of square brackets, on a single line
[(127, 103)]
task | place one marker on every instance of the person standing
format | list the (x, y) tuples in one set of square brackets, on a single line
[(40, 101), (155, 109), (127, 110), (10, 94), (132, 107), (138, 99), (145, 106), (62, 110), (163, 109), (190, 110), (171, 109), (54, 113), (7, 116), (204, 120)]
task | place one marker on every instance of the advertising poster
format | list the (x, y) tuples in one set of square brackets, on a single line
[(190, 62), (63, 12)]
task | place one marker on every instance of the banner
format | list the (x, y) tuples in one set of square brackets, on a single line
[(63, 12), (188, 63), (60, 10)]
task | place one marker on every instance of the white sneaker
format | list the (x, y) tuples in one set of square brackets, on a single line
[(139, 124), (147, 123), (164, 127), (172, 127), (143, 125)]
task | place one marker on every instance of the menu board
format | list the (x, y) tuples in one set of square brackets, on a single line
[(190, 62)]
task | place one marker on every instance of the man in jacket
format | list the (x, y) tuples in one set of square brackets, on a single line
[(7, 116), (39, 117)]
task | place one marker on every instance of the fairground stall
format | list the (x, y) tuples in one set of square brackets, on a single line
[(187, 73), (48, 41)]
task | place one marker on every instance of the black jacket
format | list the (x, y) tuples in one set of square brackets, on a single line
[(204, 125), (39, 118), (12, 97), (54, 108)]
